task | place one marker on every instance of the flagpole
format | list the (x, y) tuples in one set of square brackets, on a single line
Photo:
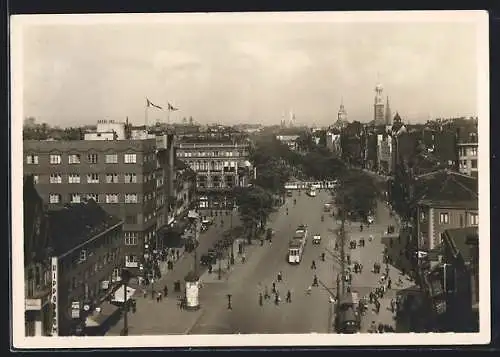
[(146, 115), (168, 115)]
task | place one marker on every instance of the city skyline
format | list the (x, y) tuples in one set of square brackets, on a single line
[(248, 69)]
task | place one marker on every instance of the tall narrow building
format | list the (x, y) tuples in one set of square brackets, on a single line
[(378, 107), (388, 114)]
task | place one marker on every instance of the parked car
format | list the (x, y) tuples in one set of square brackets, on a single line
[(206, 259), (316, 239), (370, 219)]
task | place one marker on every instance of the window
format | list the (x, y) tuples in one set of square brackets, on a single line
[(55, 159), (74, 159), (473, 151), (111, 178), (93, 196), (111, 159), (473, 164), (111, 198), (422, 216), (131, 198), (131, 219), (55, 178), (92, 158), (473, 219), (444, 218), (92, 178), (32, 159), (35, 179), (130, 178), (131, 238), (54, 198), (73, 178), (130, 158), (75, 198)]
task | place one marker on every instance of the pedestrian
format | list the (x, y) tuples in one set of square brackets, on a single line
[(158, 297), (243, 258), (280, 276), (145, 293), (260, 299), (361, 228), (274, 287), (371, 296), (377, 306), (277, 299), (152, 294), (288, 296), (315, 280), (393, 305), (177, 254), (229, 305), (323, 256), (360, 268), (380, 328), (165, 291), (389, 283), (313, 265)]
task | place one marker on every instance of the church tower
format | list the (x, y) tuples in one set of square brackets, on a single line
[(342, 114), (378, 106), (388, 113)]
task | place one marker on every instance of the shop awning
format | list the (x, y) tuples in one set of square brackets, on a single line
[(101, 314), (120, 294)]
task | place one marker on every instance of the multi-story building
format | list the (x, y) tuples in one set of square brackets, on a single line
[(220, 166), (384, 154), (86, 264), (333, 142), (468, 156), (37, 274), (120, 175), (444, 199), (378, 106)]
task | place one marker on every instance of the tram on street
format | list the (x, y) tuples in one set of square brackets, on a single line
[(297, 245), (312, 191)]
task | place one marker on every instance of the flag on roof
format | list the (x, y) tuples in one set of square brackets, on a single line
[(150, 104)]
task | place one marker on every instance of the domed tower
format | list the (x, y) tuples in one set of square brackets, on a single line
[(378, 107)]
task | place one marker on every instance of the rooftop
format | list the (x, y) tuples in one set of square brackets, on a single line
[(458, 239), (76, 224), (446, 187)]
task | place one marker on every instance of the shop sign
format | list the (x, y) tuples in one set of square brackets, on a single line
[(53, 299), (75, 310)]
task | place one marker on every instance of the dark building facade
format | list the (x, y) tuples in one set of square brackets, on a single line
[(123, 176), (86, 263), (37, 273)]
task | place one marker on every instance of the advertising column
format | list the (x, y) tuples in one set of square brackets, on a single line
[(54, 299)]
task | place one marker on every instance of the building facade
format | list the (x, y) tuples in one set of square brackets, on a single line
[(384, 153), (86, 264), (220, 166), (123, 176), (468, 158), (37, 273), (289, 140), (446, 200)]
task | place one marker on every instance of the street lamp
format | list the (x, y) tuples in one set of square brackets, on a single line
[(125, 275)]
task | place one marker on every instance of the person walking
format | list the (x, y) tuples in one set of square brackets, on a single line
[(261, 299), (229, 305), (274, 288), (389, 283), (280, 276), (165, 291), (266, 293), (289, 296), (313, 265)]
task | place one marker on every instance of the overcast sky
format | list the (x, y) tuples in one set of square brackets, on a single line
[(248, 71)]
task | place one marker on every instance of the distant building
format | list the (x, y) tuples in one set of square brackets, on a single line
[(290, 140), (444, 199), (378, 106), (86, 264), (468, 151), (220, 164), (333, 143), (384, 154), (107, 130)]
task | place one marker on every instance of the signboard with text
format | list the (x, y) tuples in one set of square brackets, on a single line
[(54, 298)]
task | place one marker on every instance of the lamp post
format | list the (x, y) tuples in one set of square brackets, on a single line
[(125, 278)]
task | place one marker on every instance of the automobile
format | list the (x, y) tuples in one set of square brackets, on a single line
[(316, 239), (207, 221), (212, 252), (370, 219), (289, 193), (206, 259)]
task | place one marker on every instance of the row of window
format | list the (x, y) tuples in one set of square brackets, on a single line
[(238, 153), (444, 218), (108, 197), (211, 165), (467, 151), (93, 178), (73, 159), (463, 164)]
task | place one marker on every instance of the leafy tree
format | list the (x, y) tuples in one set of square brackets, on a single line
[(357, 193), (255, 205)]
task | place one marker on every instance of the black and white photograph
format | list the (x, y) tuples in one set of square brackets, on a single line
[(250, 179)]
